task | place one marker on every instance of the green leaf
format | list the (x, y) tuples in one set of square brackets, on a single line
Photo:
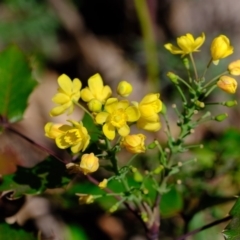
[(232, 231), (50, 173), (171, 203), (16, 83), (12, 232), (92, 128)]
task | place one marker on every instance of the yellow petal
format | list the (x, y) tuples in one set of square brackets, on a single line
[(199, 41), (173, 49), (109, 131), (65, 84), (106, 93), (61, 98), (133, 114), (86, 95), (150, 98), (76, 85), (58, 110), (148, 126), (111, 105), (123, 104), (124, 131), (101, 117), (95, 83), (65, 128)]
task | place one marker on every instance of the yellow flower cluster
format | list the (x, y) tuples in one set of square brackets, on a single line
[(116, 115), (220, 48)]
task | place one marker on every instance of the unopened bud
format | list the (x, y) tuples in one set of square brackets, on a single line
[(220, 117), (137, 176), (152, 145), (95, 105), (173, 77), (158, 169), (114, 208), (230, 103), (200, 104), (164, 109), (186, 63)]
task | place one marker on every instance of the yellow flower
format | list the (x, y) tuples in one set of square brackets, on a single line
[(134, 143), (75, 136), (103, 183), (186, 44), (124, 89), (227, 84), (68, 93), (89, 163), (149, 108), (96, 90), (86, 199), (234, 68), (116, 115), (220, 48)]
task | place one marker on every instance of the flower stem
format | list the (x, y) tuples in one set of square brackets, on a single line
[(194, 66), (84, 109), (214, 79)]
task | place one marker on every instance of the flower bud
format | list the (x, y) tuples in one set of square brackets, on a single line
[(200, 104), (173, 77), (158, 169), (124, 89), (186, 63), (220, 117), (227, 84), (234, 68), (103, 183), (89, 163), (137, 176), (152, 145), (164, 109), (220, 48), (86, 199), (230, 103), (114, 208), (134, 143), (95, 105)]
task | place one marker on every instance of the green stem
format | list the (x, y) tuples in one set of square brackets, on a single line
[(131, 159), (194, 66), (205, 71), (182, 95), (184, 82), (214, 79), (149, 41), (209, 91), (84, 109)]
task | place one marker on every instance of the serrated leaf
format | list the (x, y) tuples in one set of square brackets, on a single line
[(93, 130), (12, 232), (232, 231), (48, 174), (16, 83)]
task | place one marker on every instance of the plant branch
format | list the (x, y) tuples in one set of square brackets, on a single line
[(183, 237)]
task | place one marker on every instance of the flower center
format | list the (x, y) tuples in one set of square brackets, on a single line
[(73, 136), (118, 118)]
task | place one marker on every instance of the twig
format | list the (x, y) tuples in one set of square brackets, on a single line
[(183, 237)]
